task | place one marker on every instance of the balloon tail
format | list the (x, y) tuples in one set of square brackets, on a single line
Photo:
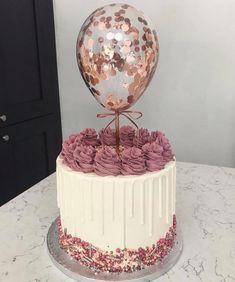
[(117, 128)]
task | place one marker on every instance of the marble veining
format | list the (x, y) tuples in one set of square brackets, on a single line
[(205, 208)]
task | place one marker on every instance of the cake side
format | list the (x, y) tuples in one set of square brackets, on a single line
[(117, 211)]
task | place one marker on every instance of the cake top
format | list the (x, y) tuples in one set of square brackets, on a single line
[(140, 151)]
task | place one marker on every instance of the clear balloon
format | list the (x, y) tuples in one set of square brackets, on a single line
[(117, 54)]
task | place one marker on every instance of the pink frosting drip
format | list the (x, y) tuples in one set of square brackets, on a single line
[(154, 156), (127, 134), (133, 161), (107, 136), (142, 136), (107, 162)]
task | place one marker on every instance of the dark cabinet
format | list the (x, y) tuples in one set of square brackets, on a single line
[(30, 127)]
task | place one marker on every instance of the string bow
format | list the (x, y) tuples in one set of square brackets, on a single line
[(130, 115)]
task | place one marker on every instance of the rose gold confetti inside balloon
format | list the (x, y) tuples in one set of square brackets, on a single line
[(117, 54)]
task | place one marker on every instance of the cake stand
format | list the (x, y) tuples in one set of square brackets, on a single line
[(78, 272)]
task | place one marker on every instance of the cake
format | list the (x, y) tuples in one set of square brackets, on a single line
[(116, 188), (117, 209)]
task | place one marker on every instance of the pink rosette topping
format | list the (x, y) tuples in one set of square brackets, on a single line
[(84, 158), (153, 155), (107, 162), (142, 137), (68, 148), (140, 151), (164, 142), (127, 134), (133, 161), (89, 137), (107, 136)]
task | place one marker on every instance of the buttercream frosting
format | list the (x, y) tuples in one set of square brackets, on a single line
[(142, 136), (140, 151), (133, 161), (127, 134), (107, 162), (107, 136)]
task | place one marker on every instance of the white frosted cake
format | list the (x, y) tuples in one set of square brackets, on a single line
[(117, 212), (116, 189)]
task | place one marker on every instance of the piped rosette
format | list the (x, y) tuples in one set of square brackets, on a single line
[(140, 151)]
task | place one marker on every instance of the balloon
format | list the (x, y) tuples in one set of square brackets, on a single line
[(117, 54)]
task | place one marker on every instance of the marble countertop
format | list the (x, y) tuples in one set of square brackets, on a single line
[(205, 210)]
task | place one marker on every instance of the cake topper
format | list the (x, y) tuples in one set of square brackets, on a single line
[(117, 54)]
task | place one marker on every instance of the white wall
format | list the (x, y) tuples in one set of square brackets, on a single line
[(192, 96)]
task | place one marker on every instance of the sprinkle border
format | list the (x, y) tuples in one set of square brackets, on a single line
[(120, 260)]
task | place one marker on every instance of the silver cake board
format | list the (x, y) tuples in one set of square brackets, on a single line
[(78, 272)]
